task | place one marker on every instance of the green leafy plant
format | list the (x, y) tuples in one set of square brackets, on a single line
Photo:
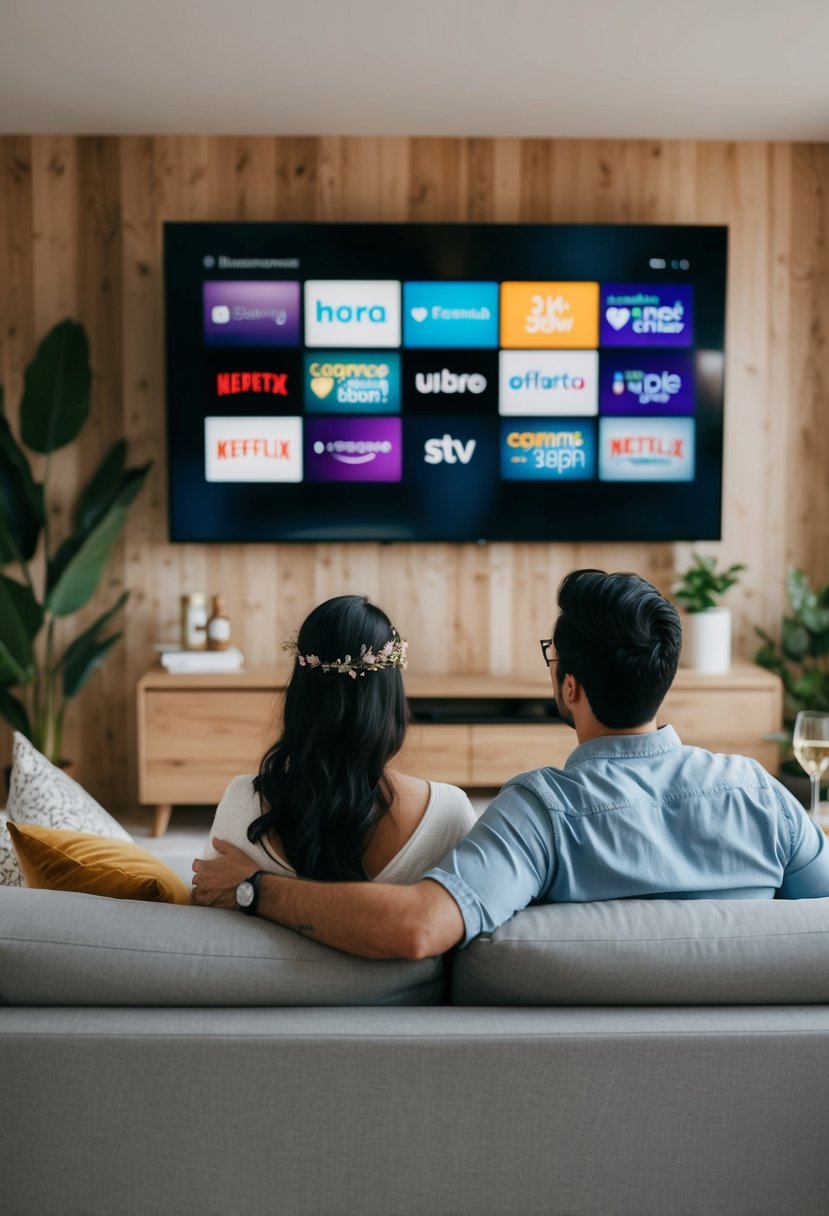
[(800, 657), (54, 582), (702, 585)]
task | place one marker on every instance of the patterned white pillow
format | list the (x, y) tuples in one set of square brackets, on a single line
[(41, 794), (10, 872)]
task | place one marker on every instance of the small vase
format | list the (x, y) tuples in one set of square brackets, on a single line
[(706, 645)]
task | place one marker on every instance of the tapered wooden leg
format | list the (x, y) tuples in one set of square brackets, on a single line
[(161, 818)]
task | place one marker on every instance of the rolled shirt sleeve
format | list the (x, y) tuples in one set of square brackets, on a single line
[(807, 872), (506, 862)]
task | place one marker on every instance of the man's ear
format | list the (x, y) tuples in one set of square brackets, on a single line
[(571, 690)]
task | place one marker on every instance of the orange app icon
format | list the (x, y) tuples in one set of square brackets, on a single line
[(549, 315)]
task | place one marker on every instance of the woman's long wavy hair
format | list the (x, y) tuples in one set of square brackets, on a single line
[(322, 785)]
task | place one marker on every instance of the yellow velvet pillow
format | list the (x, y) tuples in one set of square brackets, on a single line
[(97, 865)]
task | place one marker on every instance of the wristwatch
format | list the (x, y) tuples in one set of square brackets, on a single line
[(247, 893)]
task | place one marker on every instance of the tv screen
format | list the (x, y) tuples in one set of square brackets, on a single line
[(444, 382)]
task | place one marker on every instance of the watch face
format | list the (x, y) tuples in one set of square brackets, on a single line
[(244, 894)]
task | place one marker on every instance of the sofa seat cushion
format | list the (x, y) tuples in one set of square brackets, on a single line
[(651, 952), (65, 948)]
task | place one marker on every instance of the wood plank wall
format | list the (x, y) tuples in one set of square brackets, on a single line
[(80, 235)]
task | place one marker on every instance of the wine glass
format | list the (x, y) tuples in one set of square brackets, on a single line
[(811, 746)]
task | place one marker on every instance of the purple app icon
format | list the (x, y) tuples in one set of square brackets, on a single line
[(647, 314), (643, 383), (251, 313), (353, 449)]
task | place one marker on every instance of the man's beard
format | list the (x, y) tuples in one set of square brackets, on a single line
[(565, 713)]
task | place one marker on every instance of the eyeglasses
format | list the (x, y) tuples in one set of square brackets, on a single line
[(546, 646)]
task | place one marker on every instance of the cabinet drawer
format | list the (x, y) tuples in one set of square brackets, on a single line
[(737, 714), (499, 752), (437, 753), (195, 742)]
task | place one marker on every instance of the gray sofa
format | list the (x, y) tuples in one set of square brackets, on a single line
[(632, 1058)]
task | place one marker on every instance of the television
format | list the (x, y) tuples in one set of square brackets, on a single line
[(444, 382)]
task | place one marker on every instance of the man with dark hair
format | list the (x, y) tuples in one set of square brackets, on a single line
[(632, 813)]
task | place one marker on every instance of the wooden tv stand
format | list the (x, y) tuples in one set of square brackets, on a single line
[(195, 733)]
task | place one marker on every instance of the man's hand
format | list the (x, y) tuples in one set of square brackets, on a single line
[(215, 880)]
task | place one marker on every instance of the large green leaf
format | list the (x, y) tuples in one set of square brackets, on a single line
[(16, 658), (74, 582), (86, 662), (87, 651), (57, 388), (112, 485), (14, 711), (21, 499), (26, 606), (9, 551), (99, 495)]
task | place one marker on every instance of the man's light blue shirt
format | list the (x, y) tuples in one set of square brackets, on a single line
[(635, 816)]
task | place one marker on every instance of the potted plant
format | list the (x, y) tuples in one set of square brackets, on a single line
[(46, 582), (800, 657), (707, 632)]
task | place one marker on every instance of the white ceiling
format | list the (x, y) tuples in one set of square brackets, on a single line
[(706, 69)]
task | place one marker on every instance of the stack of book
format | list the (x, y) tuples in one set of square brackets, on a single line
[(198, 662)]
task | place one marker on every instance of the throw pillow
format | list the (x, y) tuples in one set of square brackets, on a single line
[(10, 873), (61, 860), (40, 793)]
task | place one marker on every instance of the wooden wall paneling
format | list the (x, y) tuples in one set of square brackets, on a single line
[(807, 501), (16, 291), (102, 710)]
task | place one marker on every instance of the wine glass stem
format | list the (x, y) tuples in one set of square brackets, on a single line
[(815, 793)]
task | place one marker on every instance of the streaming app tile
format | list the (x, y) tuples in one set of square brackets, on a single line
[(253, 449), (251, 313), (442, 315), (646, 449), (450, 381), (549, 382), (353, 449), (352, 312), (647, 314), (451, 465), (559, 449), (253, 381), (340, 382), (564, 315), (646, 383)]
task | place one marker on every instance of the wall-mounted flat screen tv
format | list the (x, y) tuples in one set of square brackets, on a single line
[(444, 382)]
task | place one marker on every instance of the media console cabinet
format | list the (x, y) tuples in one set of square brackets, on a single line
[(197, 732)]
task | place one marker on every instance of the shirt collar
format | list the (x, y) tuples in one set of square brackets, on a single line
[(622, 747)]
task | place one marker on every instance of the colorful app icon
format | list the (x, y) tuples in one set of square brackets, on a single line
[(271, 384), (646, 449), (251, 313), (352, 312), (353, 449), (450, 381), (549, 382), (564, 315), (646, 382), (442, 315), (563, 449), (647, 314), (340, 382), (253, 449)]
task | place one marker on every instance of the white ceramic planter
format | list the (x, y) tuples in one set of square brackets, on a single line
[(706, 644)]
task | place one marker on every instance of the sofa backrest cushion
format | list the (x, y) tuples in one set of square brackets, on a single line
[(64, 948), (651, 952)]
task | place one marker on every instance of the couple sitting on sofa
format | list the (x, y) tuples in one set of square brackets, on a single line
[(633, 813)]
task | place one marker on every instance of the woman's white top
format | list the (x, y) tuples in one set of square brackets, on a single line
[(446, 820)]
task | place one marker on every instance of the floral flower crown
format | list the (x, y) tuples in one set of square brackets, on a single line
[(393, 654)]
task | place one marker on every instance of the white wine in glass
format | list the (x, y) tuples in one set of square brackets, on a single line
[(811, 746)]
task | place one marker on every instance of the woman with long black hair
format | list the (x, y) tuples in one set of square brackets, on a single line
[(325, 804)]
